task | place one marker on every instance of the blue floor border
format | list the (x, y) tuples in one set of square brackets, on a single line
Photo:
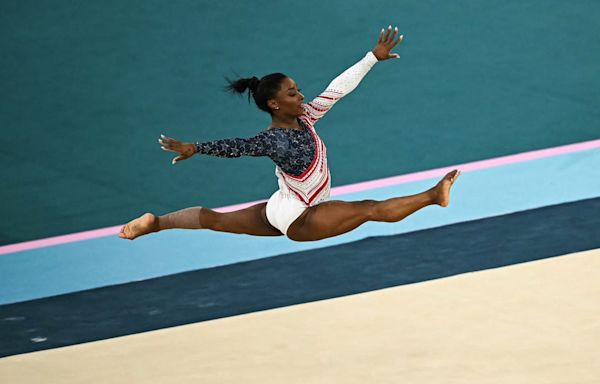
[(106, 261)]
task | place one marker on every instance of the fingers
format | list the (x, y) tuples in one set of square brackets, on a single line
[(393, 36), (387, 39), (184, 150), (387, 34), (166, 140), (167, 147), (172, 145), (178, 158), (168, 144), (398, 41)]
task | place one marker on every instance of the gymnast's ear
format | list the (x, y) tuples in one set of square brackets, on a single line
[(273, 105)]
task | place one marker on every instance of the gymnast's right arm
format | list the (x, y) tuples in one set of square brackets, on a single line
[(262, 144), (259, 145)]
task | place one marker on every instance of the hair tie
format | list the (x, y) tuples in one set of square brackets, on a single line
[(253, 84)]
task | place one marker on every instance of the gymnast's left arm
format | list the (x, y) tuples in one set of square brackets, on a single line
[(351, 77)]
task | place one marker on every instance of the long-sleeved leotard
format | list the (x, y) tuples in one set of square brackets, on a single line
[(292, 150)]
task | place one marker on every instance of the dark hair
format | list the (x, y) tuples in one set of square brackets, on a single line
[(261, 90)]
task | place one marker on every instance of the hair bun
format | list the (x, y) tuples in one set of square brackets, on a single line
[(269, 86), (253, 84)]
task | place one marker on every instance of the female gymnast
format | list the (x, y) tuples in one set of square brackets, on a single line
[(300, 208)]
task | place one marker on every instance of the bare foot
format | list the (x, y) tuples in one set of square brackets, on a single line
[(143, 225), (442, 190)]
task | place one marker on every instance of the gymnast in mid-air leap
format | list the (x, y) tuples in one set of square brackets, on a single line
[(300, 208)]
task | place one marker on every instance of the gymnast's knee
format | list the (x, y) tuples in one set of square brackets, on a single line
[(368, 208), (209, 219)]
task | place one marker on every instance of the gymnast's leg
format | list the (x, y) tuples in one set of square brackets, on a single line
[(250, 221), (332, 218)]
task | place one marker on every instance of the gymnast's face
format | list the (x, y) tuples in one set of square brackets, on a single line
[(288, 99)]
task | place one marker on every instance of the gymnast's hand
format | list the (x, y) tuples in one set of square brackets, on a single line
[(386, 43), (185, 150)]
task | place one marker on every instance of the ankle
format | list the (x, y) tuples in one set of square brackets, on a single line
[(431, 196), (162, 222)]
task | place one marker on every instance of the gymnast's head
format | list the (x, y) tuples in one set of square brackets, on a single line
[(275, 94)]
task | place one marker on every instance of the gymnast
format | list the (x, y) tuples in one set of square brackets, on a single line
[(300, 209)]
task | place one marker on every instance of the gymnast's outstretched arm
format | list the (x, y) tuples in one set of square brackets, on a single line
[(351, 77), (263, 144)]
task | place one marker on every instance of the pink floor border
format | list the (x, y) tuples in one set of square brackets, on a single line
[(341, 190)]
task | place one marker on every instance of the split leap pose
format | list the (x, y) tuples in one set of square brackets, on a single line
[(300, 208)]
